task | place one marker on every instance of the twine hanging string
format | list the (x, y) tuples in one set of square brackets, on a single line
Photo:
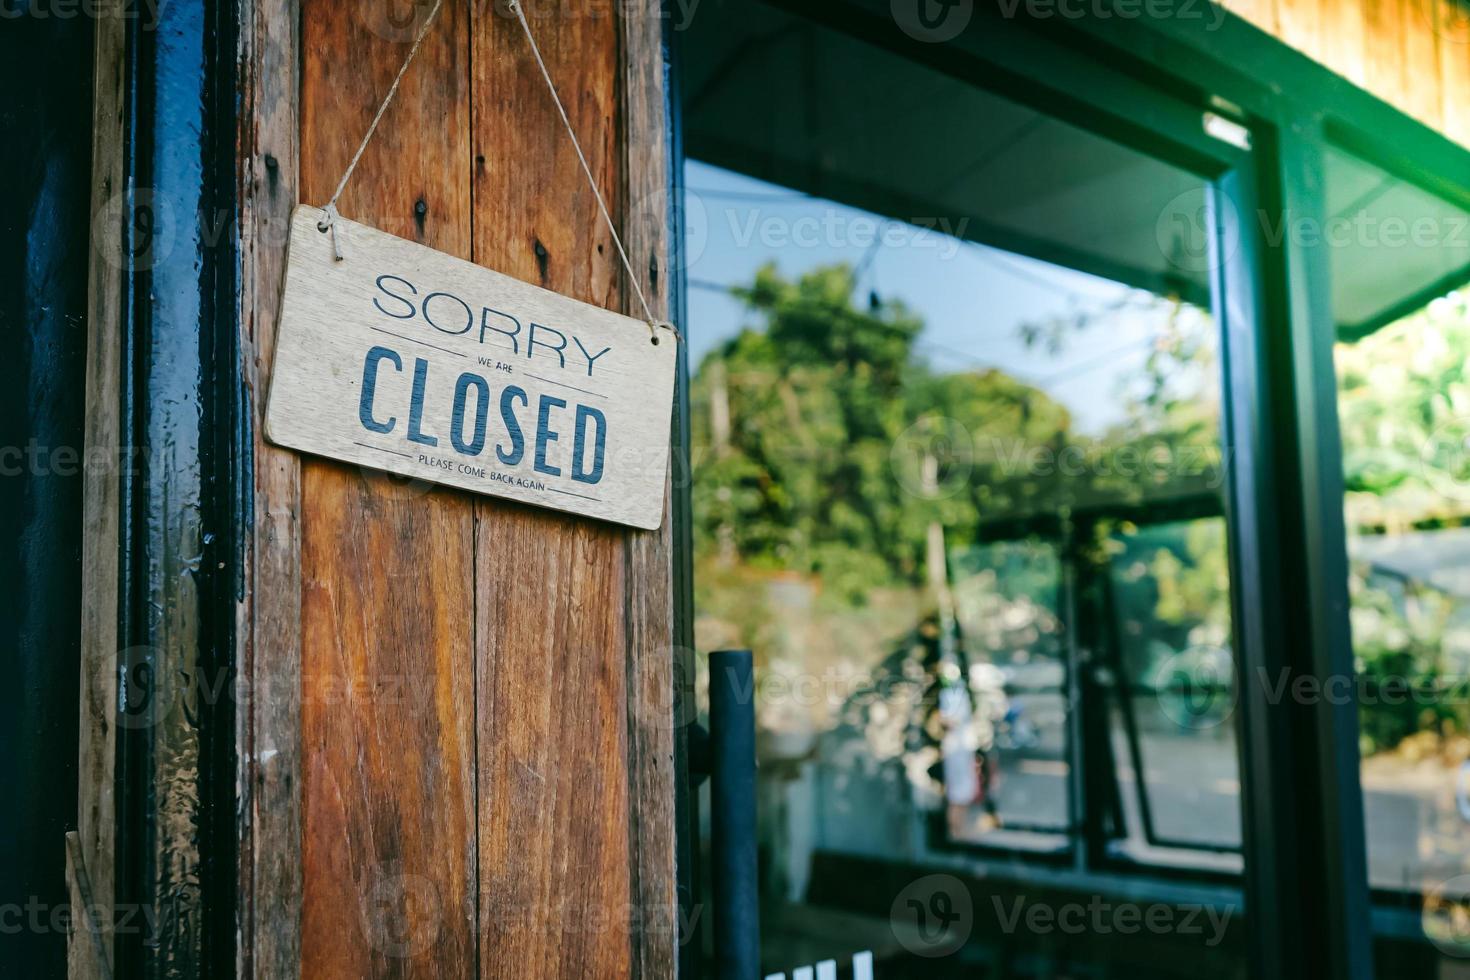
[(330, 213), (654, 324)]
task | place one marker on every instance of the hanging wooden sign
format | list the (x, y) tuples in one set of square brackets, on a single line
[(401, 358)]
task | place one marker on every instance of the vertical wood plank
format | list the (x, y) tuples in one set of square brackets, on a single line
[(1300, 24), (1383, 51), (86, 955), (1261, 13), (650, 614), (1413, 54), (270, 613), (1424, 87), (1452, 28), (389, 844), (97, 752), (550, 591), (1343, 42), (553, 805)]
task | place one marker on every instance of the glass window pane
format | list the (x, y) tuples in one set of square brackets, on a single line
[(1008, 607), (1176, 690), (1399, 256), (958, 481)]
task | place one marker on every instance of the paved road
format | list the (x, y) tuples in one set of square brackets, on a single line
[(1417, 837)]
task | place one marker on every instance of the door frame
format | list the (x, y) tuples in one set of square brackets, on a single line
[(152, 866)]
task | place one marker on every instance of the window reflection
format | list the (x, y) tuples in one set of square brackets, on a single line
[(917, 502), (958, 482), (1008, 603), (1400, 261), (1410, 552), (1170, 601)]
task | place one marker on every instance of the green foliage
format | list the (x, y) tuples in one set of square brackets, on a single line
[(801, 479), (812, 427), (1404, 413), (1171, 591), (821, 396), (1404, 409), (809, 425)]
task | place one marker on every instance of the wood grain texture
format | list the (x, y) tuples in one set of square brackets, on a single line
[(1262, 13), (1343, 43), (1413, 54), (269, 622), (550, 591), (97, 752), (1452, 27), (553, 804), (1384, 71), (1424, 99), (1303, 25), (484, 694), (92, 960), (650, 612), (389, 839), (388, 809)]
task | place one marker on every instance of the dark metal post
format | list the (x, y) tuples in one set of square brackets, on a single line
[(732, 814)]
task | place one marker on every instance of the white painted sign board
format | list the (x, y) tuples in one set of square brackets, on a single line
[(405, 359)]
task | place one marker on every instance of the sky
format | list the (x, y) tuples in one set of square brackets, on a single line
[(973, 299)]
